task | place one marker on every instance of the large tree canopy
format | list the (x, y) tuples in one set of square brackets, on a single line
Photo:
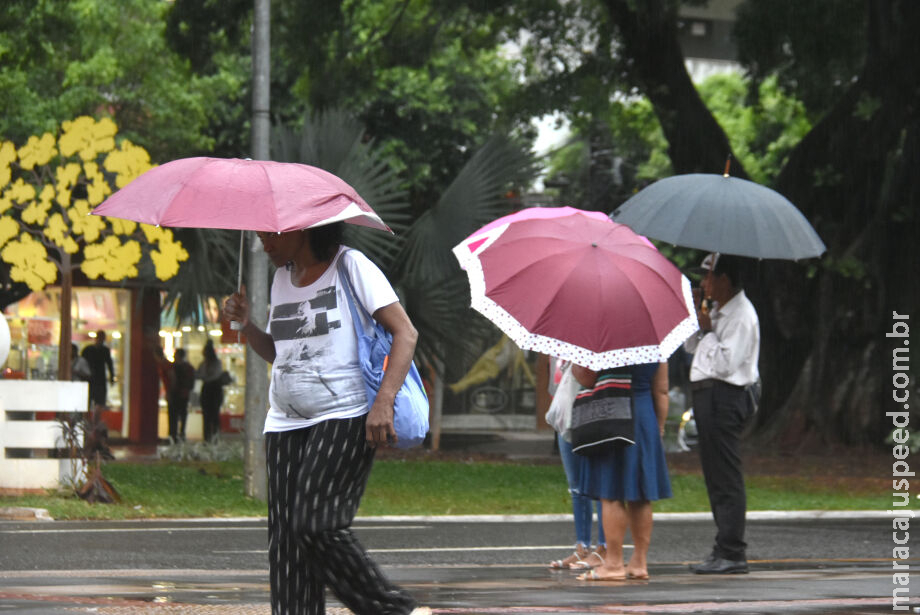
[(60, 59), (825, 359), (427, 78)]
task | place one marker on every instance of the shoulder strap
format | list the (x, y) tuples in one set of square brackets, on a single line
[(350, 297)]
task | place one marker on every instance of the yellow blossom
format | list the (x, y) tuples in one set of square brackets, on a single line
[(37, 211), (67, 177), (37, 151), (166, 260), (122, 227), (30, 264), (155, 233), (96, 186), (7, 156), (87, 137), (20, 192), (127, 162), (9, 227), (82, 223), (111, 259), (57, 231)]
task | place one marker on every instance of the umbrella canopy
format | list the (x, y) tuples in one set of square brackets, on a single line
[(720, 213), (230, 193), (575, 285)]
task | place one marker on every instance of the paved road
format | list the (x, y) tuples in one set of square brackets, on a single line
[(460, 566)]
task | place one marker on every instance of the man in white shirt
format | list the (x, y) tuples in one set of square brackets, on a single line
[(726, 351)]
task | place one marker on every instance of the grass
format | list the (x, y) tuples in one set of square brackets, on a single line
[(413, 487)]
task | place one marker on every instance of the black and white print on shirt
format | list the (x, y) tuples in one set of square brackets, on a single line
[(306, 349), (310, 318)]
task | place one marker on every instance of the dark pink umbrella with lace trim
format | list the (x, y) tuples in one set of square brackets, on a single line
[(576, 285)]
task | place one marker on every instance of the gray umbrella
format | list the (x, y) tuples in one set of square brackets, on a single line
[(720, 213)]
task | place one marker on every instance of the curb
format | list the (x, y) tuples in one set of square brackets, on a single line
[(21, 513)]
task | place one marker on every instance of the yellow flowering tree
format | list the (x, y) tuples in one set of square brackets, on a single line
[(48, 187)]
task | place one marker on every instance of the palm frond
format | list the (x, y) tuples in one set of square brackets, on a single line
[(450, 332), (334, 140), (476, 197)]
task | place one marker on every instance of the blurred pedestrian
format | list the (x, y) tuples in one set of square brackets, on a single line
[(563, 387), (211, 372), (79, 367), (181, 384), (628, 479), (725, 354), (99, 357)]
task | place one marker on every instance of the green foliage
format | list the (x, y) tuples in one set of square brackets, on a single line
[(425, 77), (814, 49), (60, 59), (761, 133)]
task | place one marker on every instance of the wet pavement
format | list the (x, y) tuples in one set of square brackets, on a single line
[(461, 565)]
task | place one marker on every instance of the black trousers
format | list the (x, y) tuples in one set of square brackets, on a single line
[(721, 411), (212, 396), (177, 409), (316, 477)]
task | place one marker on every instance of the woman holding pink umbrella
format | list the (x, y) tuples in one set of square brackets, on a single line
[(320, 434)]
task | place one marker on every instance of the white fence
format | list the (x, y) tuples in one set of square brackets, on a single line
[(26, 443)]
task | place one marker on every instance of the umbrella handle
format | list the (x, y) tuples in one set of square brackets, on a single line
[(235, 325)]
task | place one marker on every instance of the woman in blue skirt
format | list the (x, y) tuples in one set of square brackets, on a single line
[(629, 479)]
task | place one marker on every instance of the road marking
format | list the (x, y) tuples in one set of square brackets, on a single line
[(446, 549), (255, 528)]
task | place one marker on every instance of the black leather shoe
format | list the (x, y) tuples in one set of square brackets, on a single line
[(717, 565)]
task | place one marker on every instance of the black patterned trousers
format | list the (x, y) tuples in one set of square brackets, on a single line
[(316, 477)]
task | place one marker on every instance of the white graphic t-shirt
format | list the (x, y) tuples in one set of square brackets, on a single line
[(315, 375)]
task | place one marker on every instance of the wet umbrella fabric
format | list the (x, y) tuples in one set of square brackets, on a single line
[(578, 286), (720, 213), (230, 193)]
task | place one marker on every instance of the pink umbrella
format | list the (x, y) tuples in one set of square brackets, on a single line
[(229, 193), (575, 285)]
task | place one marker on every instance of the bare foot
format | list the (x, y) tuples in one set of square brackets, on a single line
[(637, 573)]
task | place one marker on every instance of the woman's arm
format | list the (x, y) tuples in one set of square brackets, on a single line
[(236, 307), (660, 397), (584, 376), (394, 319)]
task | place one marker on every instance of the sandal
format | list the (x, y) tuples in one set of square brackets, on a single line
[(593, 560), (570, 561)]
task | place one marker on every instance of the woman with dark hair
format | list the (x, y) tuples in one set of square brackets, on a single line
[(210, 372), (320, 431)]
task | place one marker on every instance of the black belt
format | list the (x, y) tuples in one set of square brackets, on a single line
[(708, 383)]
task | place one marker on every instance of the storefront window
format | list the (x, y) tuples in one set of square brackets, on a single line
[(35, 331), (230, 350)]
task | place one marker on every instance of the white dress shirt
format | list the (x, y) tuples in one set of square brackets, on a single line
[(731, 350)]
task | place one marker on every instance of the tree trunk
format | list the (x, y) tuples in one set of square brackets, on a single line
[(65, 354), (853, 176), (825, 359), (648, 31)]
